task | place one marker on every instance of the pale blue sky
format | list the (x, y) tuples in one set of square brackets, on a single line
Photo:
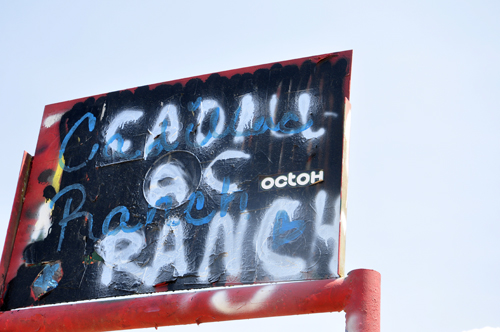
[(424, 199)]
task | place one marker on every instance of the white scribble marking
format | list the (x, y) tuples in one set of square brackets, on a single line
[(273, 110), (174, 258), (42, 224), (205, 107), (209, 177), (246, 116), (117, 251), (103, 111), (304, 105), (52, 119), (168, 113), (280, 267), (335, 115), (118, 123), (176, 186), (326, 232), (233, 243), (221, 302)]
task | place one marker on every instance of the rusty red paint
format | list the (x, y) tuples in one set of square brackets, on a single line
[(358, 295), (363, 306), (46, 154), (15, 215)]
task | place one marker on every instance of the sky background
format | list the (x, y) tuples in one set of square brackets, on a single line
[(424, 178)]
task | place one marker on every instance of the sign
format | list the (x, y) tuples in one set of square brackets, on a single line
[(232, 178)]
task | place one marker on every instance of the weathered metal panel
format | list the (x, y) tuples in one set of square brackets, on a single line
[(358, 294), (223, 179)]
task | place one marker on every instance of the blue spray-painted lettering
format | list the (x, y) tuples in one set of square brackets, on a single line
[(66, 139), (194, 106), (119, 149), (152, 213), (189, 129), (160, 143), (290, 116), (285, 230), (214, 120), (173, 222), (67, 216), (200, 201), (261, 125), (214, 117), (164, 203), (124, 218), (90, 218)]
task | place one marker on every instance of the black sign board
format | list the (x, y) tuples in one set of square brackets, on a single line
[(223, 179)]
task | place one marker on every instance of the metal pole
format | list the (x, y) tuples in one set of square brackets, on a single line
[(363, 305), (358, 294)]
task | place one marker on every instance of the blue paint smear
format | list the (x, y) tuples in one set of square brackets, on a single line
[(46, 280), (189, 129), (173, 223), (260, 125), (194, 106), (67, 216), (198, 197), (200, 200), (159, 144), (120, 141), (164, 202), (65, 141), (285, 230), (124, 218), (151, 215)]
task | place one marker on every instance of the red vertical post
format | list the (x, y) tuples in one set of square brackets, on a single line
[(363, 305), (15, 215)]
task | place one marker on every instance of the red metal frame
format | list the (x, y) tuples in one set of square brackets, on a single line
[(358, 295), (22, 184)]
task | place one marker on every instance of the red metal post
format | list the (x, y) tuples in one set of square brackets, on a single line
[(17, 206), (363, 305), (358, 294)]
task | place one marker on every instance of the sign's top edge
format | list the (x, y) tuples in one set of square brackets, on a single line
[(225, 73)]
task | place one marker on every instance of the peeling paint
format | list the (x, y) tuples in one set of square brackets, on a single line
[(47, 280)]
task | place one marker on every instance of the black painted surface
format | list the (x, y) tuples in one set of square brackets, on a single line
[(112, 179)]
